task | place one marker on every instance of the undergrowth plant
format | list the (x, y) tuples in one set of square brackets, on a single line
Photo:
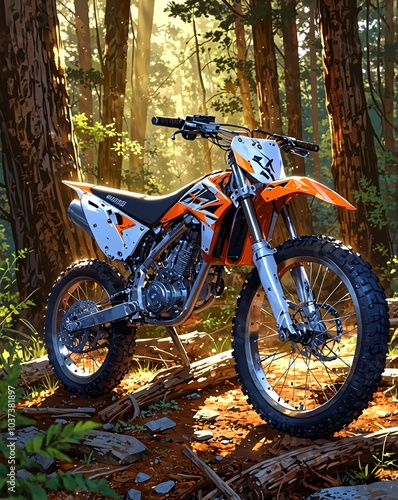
[(13, 342), (10, 304), (55, 444), (369, 473)]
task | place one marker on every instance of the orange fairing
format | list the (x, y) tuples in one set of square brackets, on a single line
[(286, 189), (208, 211), (243, 162)]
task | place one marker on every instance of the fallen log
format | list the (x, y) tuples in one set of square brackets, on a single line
[(160, 351), (111, 448), (79, 412), (173, 382), (286, 472), (209, 473), (34, 371), (170, 383), (118, 410)]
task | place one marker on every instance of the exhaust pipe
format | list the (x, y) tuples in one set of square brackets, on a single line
[(76, 215)]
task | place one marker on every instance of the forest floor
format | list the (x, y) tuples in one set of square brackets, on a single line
[(240, 439)]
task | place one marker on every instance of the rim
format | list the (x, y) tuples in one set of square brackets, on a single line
[(81, 356), (303, 376)]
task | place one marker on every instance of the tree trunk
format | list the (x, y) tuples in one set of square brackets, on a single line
[(292, 80), (243, 79), (265, 65), (85, 63), (314, 90), (140, 87), (38, 146), (293, 106), (390, 52), (389, 62), (204, 110), (354, 154), (117, 17)]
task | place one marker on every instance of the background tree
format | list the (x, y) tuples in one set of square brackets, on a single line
[(85, 61), (292, 78), (114, 67), (354, 164), (242, 66), (265, 64), (140, 88), (37, 145)]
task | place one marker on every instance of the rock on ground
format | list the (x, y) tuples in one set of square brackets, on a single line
[(386, 490)]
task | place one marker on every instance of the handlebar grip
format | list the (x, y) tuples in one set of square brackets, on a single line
[(309, 146), (165, 121)]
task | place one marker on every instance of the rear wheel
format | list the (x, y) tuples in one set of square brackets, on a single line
[(89, 362), (313, 385)]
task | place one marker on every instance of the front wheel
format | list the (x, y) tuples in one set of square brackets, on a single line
[(89, 362), (322, 380)]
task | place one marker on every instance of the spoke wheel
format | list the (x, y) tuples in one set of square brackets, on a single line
[(315, 383), (91, 361)]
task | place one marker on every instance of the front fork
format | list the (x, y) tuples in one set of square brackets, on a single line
[(264, 260)]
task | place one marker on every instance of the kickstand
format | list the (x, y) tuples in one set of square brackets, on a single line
[(181, 349)]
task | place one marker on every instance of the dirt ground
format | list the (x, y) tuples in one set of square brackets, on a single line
[(240, 440)]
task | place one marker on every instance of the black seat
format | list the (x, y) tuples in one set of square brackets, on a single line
[(147, 209)]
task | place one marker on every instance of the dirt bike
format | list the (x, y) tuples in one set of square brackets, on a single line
[(311, 326)]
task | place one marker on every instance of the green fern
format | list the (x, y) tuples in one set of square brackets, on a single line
[(55, 444)]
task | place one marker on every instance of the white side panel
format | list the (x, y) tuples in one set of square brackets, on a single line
[(116, 233), (264, 158)]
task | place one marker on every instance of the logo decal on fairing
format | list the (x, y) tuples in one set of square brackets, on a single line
[(267, 171), (115, 200), (203, 199)]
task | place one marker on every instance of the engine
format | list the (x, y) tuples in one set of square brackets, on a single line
[(172, 282)]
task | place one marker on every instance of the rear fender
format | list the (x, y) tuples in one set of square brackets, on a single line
[(286, 189), (80, 187)]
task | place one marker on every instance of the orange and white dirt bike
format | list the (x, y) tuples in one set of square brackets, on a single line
[(311, 326)]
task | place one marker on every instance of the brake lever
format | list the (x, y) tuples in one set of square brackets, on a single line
[(302, 153), (296, 151), (173, 135)]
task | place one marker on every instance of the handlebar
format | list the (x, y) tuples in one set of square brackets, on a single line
[(206, 127), (309, 146), (296, 143), (165, 121)]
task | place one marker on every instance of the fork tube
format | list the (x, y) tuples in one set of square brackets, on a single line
[(288, 222), (298, 273), (263, 258)]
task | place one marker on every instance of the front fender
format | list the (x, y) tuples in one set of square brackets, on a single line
[(286, 189)]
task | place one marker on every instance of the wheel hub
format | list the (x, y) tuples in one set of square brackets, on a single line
[(82, 340), (312, 335)]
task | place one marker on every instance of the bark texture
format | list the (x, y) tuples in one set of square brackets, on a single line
[(114, 69), (354, 154), (140, 90), (176, 381), (38, 146), (292, 80), (244, 84), (85, 63), (265, 66), (283, 473)]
